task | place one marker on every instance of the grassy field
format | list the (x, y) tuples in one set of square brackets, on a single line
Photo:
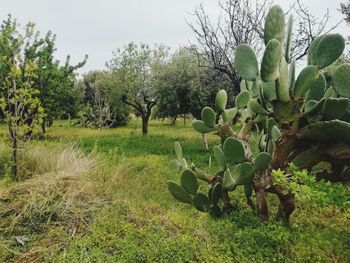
[(100, 196)]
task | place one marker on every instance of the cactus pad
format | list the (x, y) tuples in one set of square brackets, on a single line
[(246, 63), (234, 150), (312, 108), (341, 80), (216, 194), (335, 108), (228, 182), (274, 25), (179, 193), (248, 190), (229, 114), (317, 88), (305, 79), (208, 116), (201, 127), (329, 49), (282, 87), (220, 157), (215, 211), (175, 165), (243, 173), (242, 99), (275, 133), (334, 130), (201, 202), (312, 53), (269, 90), (256, 107), (178, 150), (189, 181), (221, 100), (270, 62), (262, 161)]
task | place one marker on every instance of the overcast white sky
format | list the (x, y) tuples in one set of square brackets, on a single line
[(98, 27)]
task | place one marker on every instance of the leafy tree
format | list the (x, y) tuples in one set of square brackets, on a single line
[(133, 68), (55, 82), (183, 88), (58, 94), (102, 98), (19, 103), (345, 9)]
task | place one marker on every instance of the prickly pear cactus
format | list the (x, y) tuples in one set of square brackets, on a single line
[(296, 119)]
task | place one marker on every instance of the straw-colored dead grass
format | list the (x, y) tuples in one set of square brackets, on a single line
[(62, 192)]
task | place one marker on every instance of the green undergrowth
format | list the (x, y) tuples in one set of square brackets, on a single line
[(101, 196)]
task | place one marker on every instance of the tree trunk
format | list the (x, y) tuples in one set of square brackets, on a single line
[(205, 141), (286, 205), (43, 126), (184, 120), (260, 183), (14, 160), (145, 120)]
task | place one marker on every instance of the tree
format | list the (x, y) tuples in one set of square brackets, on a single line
[(55, 82), (173, 83), (102, 99), (19, 104), (345, 9), (184, 88), (133, 68), (242, 23)]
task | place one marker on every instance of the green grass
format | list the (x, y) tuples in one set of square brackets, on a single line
[(120, 210)]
